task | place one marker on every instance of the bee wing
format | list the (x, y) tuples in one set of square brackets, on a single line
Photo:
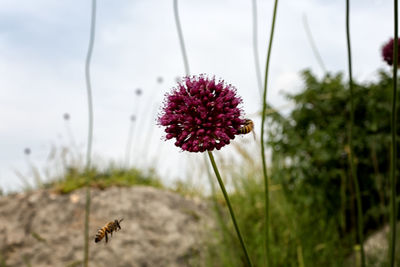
[(254, 135)]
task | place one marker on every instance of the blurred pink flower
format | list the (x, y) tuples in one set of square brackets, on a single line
[(387, 52)]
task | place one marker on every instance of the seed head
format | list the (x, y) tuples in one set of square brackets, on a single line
[(66, 116), (201, 114), (27, 151)]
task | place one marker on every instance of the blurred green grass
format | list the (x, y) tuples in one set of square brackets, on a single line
[(75, 178)]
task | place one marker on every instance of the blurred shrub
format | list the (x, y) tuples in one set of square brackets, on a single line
[(298, 237), (312, 199), (310, 149)]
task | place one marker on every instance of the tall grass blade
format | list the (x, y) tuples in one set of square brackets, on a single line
[(393, 204), (351, 148), (264, 163), (90, 132), (312, 43), (180, 35), (255, 45)]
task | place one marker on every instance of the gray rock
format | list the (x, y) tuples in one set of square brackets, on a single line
[(160, 228)]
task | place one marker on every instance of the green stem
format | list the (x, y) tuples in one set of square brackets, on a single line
[(129, 143), (352, 167), (255, 46), (181, 41), (227, 236), (221, 184), (393, 204), (264, 163), (312, 43), (90, 132)]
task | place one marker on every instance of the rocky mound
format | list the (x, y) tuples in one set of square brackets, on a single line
[(160, 228)]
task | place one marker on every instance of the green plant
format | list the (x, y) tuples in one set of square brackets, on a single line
[(90, 130), (312, 197), (263, 119), (2, 261), (311, 155), (360, 223), (393, 165), (75, 178), (298, 235)]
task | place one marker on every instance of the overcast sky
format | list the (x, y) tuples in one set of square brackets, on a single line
[(43, 44)]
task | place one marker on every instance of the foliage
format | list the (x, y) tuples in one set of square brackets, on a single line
[(310, 149), (312, 196), (2, 261), (298, 237), (75, 178)]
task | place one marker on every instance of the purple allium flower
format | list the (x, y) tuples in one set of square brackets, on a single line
[(387, 52), (201, 114)]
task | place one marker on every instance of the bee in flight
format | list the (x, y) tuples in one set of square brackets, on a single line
[(109, 228), (247, 127)]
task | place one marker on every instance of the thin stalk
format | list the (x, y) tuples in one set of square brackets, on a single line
[(312, 43), (393, 204), (134, 136), (217, 207), (187, 71), (181, 41), (75, 149), (255, 46), (90, 131), (149, 132), (129, 142), (264, 163), (352, 167), (221, 184)]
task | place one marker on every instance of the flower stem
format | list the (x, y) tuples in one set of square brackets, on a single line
[(264, 163), (255, 46), (129, 143), (352, 167), (393, 204), (221, 184), (180, 35), (90, 132), (312, 43)]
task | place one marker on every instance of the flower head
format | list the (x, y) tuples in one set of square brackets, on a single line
[(201, 114), (387, 52)]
